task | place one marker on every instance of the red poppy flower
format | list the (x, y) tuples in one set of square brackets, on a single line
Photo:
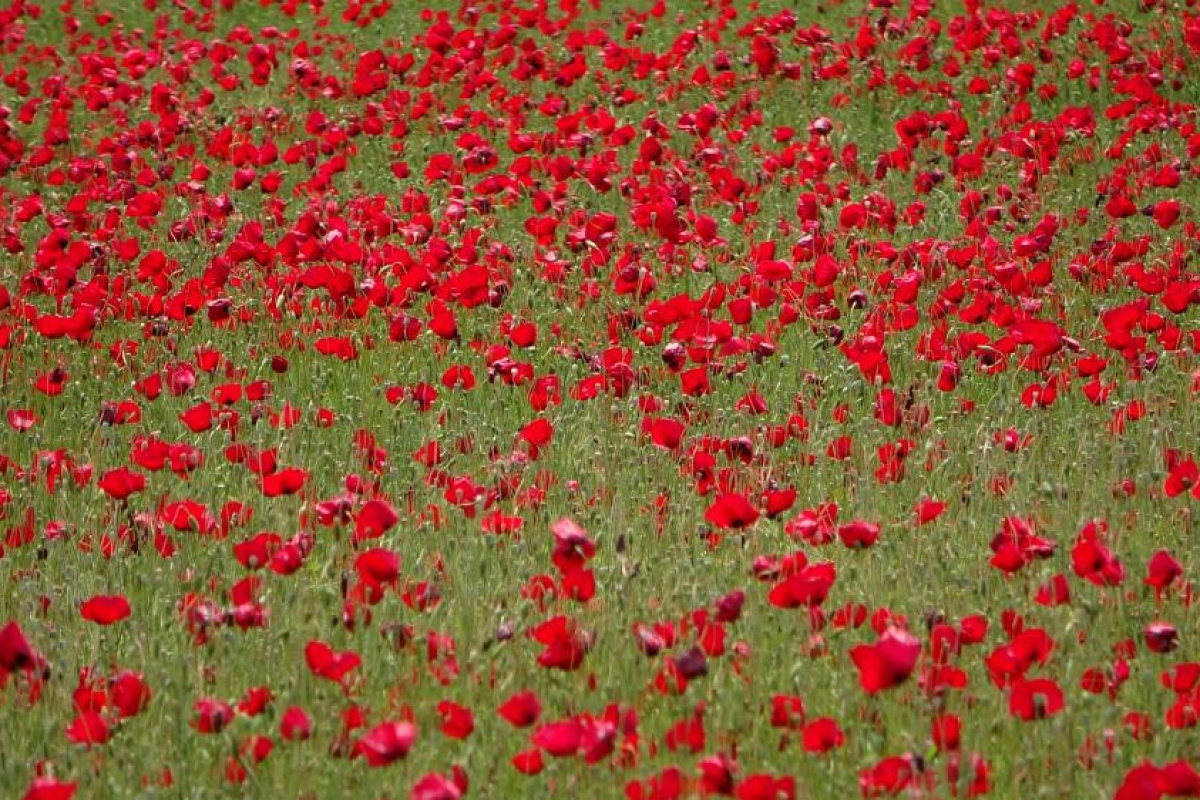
[(440, 787), (858, 534), (1162, 571), (211, 715), (374, 519), (564, 644), (731, 511), (324, 661), (891, 776), (20, 419), (46, 788), (1038, 698), (16, 653), (887, 663), (295, 724), (121, 483), (521, 710), (457, 721), (809, 587), (284, 482), (386, 743), (1160, 637), (529, 762), (559, 739), (105, 609), (822, 735), (89, 728)]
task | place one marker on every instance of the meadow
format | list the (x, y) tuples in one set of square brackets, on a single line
[(605, 400)]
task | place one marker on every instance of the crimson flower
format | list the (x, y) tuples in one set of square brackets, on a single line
[(45, 788), (1054, 592), (559, 739), (809, 587), (295, 725), (439, 787), (122, 482), (565, 644), (386, 743), (105, 609), (573, 547), (521, 710), (929, 510), (322, 660), (89, 728), (887, 663), (1093, 561), (890, 776), (457, 721), (947, 732), (211, 715), (529, 762), (20, 419), (378, 566), (1038, 698), (16, 653), (1160, 637), (128, 693), (1009, 662), (765, 787), (1161, 572), (1017, 545), (858, 534), (1182, 474), (822, 735), (375, 519), (731, 511), (1148, 782), (665, 432), (787, 711), (284, 482)]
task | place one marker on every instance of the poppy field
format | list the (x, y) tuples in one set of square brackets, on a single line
[(645, 400)]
